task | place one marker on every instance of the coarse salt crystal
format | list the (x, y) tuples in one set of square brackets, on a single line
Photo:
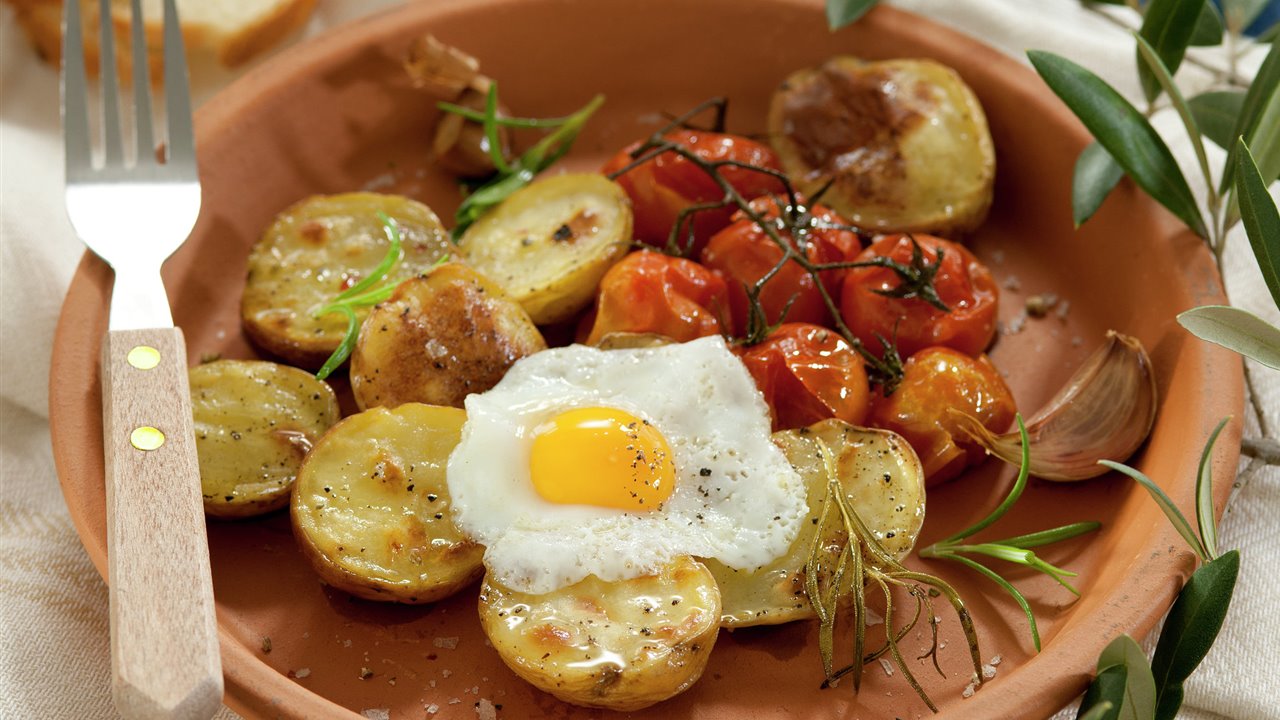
[(446, 672), (485, 710), (988, 671), (302, 672), (377, 713), (968, 691), (432, 709), (888, 669), (454, 701), (449, 643), (996, 660)]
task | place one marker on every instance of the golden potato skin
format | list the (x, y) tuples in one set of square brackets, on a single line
[(620, 645), (370, 508), (439, 338), (255, 421), (904, 143), (884, 484), (317, 248), (550, 242)]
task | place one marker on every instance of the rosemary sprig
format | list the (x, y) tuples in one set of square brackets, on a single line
[(871, 563), (511, 176), (368, 292), (1015, 549)]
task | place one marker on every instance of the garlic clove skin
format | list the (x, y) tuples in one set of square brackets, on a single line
[(1104, 412)]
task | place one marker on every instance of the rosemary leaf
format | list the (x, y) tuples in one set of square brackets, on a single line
[(1008, 587), (1018, 485), (1190, 629), (1044, 537), (348, 343)]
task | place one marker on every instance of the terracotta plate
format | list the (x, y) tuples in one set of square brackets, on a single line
[(338, 114)]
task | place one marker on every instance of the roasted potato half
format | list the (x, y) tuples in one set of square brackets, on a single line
[(621, 645), (316, 249), (439, 338), (371, 507), (255, 421), (903, 144), (882, 481), (551, 242)]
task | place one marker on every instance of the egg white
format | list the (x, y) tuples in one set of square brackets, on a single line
[(736, 498)]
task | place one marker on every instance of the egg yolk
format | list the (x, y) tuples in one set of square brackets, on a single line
[(604, 457)]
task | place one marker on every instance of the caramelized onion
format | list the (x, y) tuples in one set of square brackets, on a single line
[(1104, 412)]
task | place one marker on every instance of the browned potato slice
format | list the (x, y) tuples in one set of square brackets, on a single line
[(551, 242), (439, 338), (904, 143), (620, 645), (371, 506), (316, 249), (883, 483), (254, 422)]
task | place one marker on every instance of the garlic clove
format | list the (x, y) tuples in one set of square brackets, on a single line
[(1104, 412)]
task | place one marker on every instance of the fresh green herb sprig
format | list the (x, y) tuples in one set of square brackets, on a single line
[(1200, 608), (861, 562), (511, 176), (1015, 549), (368, 292)]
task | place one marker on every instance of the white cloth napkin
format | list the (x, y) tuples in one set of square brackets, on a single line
[(54, 659)]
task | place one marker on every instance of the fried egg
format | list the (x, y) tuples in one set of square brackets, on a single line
[(612, 463)]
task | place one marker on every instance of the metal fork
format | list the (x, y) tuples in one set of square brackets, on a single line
[(164, 646)]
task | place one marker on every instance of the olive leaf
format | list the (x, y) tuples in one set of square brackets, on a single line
[(1269, 34), (1216, 112), (1167, 25), (1241, 13), (1261, 94), (1205, 519), (1107, 688), (1139, 701), (1096, 175), (1171, 511), (1164, 77), (1190, 629), (1209, 28), (845, 12), (1261, 219), (1124, 132), (1235, 329)]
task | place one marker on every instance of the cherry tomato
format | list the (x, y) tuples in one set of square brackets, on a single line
[(963, 284), (660, 188), (934, 380), (743, 253), (648, 292), (808, 373)]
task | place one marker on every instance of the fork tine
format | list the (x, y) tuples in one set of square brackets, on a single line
[(146, 143), (75, 110), (181, 142), (112, 142)]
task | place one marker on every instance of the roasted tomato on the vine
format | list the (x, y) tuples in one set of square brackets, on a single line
[(664, 186), (808, 373), (934, 381), (744, 253), (648, 292), (880, 301)]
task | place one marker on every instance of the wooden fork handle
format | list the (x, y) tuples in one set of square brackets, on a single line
[(164, 642)]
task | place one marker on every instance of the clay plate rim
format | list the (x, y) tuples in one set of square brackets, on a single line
[(253, 686)]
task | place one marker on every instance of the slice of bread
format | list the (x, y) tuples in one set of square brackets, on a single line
[(232, 30)]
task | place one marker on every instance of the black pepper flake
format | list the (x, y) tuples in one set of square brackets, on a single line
[(562, 233), (705, 472)]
